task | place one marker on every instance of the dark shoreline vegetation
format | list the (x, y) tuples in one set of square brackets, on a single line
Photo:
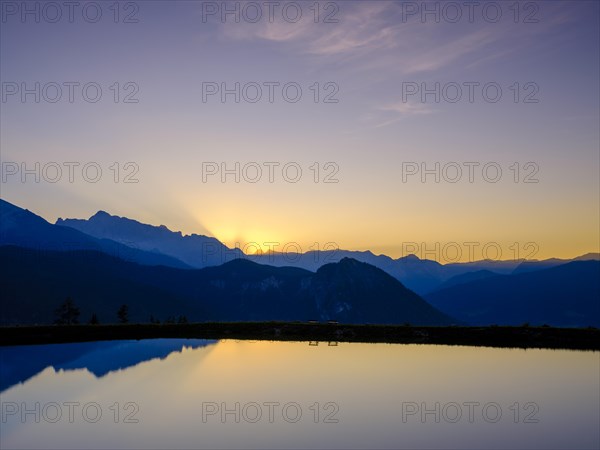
[(493, 336)]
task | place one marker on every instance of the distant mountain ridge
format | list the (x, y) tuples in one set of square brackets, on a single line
[(533, 265), (416, 274), (194, 250), (122, 236), (420, 275), (465, 278), (42, 263), (202, 251), (567, 295), (23, 228)]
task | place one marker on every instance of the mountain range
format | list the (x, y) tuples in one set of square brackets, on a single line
[(107, 261), (34, 284), (566, 295), (193, 250), (23, 228), (420, 275)]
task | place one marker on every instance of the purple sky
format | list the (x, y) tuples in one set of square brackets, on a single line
[(370, 56)]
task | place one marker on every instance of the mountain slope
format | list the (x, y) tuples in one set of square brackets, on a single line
[(356, 292), (531, 266), (157, 245), (195, 250), (465, 278), (202, 251), (34, 284), (420, 275), (567, 295), (23, 228)]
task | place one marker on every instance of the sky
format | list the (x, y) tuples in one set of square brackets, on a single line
[(470, 134)]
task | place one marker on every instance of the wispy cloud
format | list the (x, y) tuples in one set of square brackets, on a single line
[(392, 113), (372, 48), (442, 55), (371, 35), (408, 109)]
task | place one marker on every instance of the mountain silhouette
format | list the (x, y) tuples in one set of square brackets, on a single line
[(202, 251), (34, 284), (23, 228), (532, 265), (355, 292), (195, 250), (465, 278), (419, 275), (567, 295), (107, 261)]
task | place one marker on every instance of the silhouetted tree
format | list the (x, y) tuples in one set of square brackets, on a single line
[(67, 313), (182, 319), (94, 320), (123, 314), (170, 319)]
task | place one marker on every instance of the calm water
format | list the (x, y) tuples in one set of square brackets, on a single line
[(239, 394)]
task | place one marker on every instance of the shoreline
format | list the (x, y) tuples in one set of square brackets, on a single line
[(490, 336)]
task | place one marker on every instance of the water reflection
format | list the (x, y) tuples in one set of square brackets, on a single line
[(18, 364), (239, 394)]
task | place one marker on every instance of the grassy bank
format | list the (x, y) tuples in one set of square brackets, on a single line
[(522, 337)]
